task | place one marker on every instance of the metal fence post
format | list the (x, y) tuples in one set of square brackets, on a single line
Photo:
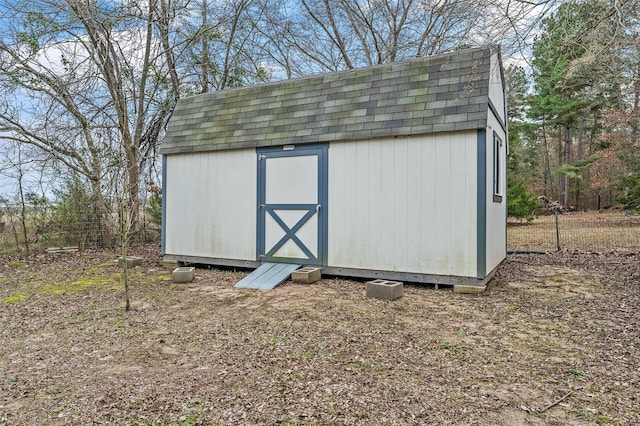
[(557, 230)]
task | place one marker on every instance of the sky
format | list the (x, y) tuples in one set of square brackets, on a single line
[(515, 52)]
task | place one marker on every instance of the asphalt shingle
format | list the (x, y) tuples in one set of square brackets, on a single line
[(441, 93)]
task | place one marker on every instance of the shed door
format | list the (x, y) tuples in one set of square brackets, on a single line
[(292, 204)]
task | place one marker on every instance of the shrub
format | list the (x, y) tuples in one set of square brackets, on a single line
[(521, 203), (154, 208)]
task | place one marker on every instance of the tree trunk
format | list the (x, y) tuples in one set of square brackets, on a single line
[(163, 25), (102, 213), (579, 155), (560, 154), (548, 181), (567, 160), (635, 113), (134, 195), (205, 50)]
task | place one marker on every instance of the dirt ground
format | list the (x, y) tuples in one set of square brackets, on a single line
[(554, 340)]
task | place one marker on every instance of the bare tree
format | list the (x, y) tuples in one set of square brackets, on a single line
[(222, 45), (329, 35), (83, 83)]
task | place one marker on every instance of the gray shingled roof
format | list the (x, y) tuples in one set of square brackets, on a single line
[(441, 93)]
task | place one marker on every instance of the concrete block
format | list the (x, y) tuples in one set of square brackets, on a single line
[(184, 274), (384, 290), (306, 275), (469, 289), (68, 249), (170, 264), (130, 260)]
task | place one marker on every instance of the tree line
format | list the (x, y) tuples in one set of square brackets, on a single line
[(574, 113), (87, 86)]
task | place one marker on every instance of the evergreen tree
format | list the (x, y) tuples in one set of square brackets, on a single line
[(574, 89)]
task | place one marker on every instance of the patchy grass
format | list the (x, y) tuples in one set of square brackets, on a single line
[(552, 341), (38, 280), (15, 299)]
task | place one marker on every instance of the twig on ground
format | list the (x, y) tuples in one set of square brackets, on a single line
[(556, 402)]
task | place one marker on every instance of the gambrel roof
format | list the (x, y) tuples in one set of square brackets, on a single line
[(440, 93)]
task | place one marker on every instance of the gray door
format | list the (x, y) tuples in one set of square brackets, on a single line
[(292, 204)]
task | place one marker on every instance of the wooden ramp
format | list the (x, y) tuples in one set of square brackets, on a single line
[(267, 276)]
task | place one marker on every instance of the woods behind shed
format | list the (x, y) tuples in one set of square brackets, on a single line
[(396, 171)]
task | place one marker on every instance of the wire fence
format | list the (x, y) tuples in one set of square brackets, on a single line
[(605, 231), (43, 228)]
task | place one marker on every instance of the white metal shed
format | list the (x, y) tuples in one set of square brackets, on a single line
[(395, 171)]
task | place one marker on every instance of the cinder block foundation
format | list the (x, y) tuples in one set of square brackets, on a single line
[(469, 289), (384, 290), (131, 261), (306, 275), (184, 274), (170, 264), (55, 250)]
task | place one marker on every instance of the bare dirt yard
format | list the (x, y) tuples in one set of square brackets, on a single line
[(553, 341)]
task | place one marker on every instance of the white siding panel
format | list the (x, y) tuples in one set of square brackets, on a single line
[(337, 195), (211, 205), (496, 244), (382, 198), (400, 198), (406, 204), (359, 202), (442, 201), (459, 249), (373, 217), (471, 201), (427, 242), (415, 183)]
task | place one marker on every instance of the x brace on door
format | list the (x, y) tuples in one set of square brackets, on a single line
[(290, 233)]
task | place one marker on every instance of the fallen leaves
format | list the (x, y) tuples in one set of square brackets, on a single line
[(551, 341)]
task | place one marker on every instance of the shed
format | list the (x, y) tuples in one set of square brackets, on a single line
[(394, 171)]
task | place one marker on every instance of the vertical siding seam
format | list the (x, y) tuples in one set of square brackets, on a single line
[(366, 214), (466, 206), (393, 213), (361, 152), (403, 261), (407, 202), (420, 212), (451, 243)]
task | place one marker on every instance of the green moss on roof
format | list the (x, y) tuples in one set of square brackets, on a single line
[(440, 93)]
